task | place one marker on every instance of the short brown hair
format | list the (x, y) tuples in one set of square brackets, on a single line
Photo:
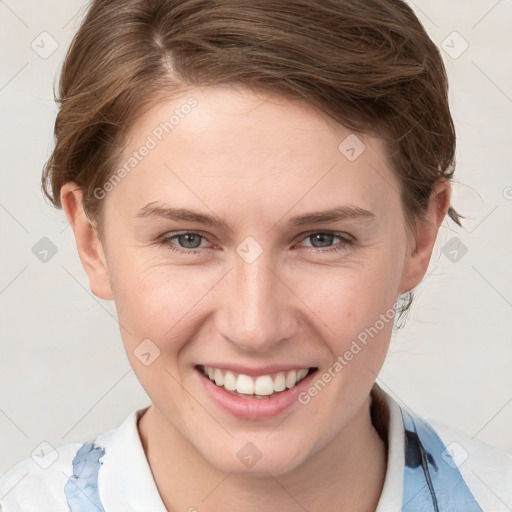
[(368, 64)]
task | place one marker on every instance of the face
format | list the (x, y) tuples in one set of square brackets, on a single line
[(256, 287)]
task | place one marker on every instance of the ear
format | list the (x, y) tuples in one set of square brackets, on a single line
[(420, 250), (88, 243)]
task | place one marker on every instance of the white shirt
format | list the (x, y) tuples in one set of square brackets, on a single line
[(125, 482)]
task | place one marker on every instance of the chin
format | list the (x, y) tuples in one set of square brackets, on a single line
[(258, 458)]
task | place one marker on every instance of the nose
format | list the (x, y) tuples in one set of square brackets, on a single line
[(256, 310)]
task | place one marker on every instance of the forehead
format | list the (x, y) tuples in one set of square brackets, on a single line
[(231, 146)]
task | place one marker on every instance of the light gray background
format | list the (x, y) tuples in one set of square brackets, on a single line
[(64, 375)]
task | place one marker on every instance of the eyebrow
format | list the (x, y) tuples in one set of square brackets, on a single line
[(345, 212)]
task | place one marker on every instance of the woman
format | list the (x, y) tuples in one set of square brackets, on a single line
[(255, 186)]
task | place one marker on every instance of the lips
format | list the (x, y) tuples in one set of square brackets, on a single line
[(254, 407)]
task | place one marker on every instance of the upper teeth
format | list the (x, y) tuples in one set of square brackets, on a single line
[(263, 385)]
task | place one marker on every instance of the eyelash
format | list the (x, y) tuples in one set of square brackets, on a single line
[(346, 241)]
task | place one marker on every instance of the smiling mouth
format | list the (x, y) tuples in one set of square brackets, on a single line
[(260, 387)]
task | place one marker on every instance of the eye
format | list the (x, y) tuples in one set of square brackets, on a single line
[(326, 237), (188, 238), (190, 242)]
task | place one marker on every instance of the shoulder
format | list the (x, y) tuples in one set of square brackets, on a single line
[(486, 469), (55, 481), (426, 455), (37, 483)]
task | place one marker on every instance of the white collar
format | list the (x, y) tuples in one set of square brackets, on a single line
[(125, 479), (392, 491)]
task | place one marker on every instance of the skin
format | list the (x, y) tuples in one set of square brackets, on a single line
[(255, 161)]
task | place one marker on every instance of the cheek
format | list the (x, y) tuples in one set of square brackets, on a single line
[(156, 302), (157, 291), (356, 308), (348, 299), (156, 311)]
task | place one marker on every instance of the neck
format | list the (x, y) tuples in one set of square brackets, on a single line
[(345, 475)]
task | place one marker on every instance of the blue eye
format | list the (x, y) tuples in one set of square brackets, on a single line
[(321, 237), (166, 240)]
